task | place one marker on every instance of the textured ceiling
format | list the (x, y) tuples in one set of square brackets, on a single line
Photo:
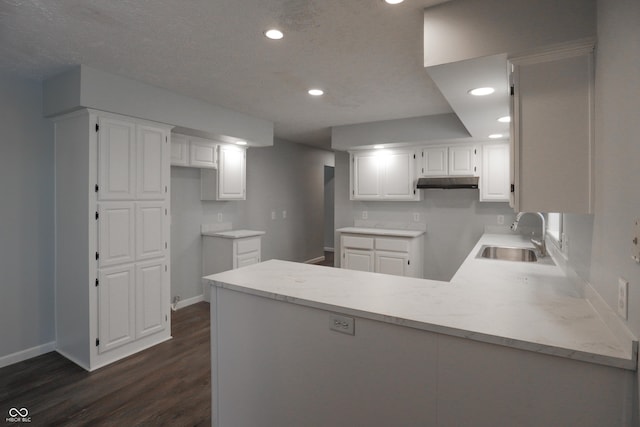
[(367, 55)]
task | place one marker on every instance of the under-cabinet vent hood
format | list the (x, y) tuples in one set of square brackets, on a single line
[(448, 182)]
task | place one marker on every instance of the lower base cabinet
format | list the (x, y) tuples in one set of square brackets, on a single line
[(396, 255)]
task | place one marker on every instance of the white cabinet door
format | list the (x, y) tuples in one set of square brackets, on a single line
[(116, 309), (356, 259), (231, 173), (366, 182), (553, 131), (150, 301), (116, 159), (249, 258), (202, 154), (462, 161), (152, 144), (435, 161), (179, 150), (395, 263), (116, 238), (398, 178), (494, 180), (150, 236)]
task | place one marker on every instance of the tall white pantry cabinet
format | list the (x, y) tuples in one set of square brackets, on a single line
[(112, 236)]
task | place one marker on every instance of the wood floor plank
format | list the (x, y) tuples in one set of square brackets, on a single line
[(168, 384)]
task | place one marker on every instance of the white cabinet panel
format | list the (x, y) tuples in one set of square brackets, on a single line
[(150, 238), (366, 175), (392, 262), (116, 159), (356, 259), (494, 180), (116, 238), (202, 154), (399, 175), (462, 161), (150, 314), (116, 299), (435, 161), (152, 149), (179, 150), (231, 173)]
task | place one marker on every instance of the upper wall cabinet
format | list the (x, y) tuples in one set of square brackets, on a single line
[(229, 181), (494, 182), (552, 135), (193, 152), (384, 175), (455, 160)]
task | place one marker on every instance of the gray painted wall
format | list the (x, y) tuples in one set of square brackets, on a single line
[(455, 220), (83, 86), (466, 29), (286, 177), (26, 228)]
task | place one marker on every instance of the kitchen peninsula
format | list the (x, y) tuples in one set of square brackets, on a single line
[(503, 342)]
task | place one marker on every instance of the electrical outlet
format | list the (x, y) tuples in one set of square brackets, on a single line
[(273, 214), (219, 216), (416, 217), (365, 214), (343, 324), (500, 219), (284, 214), (623, 297)]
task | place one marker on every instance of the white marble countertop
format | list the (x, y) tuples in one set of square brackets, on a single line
[(233, 234), (528, 306), (382, 231)]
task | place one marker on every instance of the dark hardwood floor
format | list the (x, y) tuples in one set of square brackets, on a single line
[(169, 384)]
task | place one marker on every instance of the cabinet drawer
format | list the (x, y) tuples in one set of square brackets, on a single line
[(357, 242), (395, 245), (248, 245)]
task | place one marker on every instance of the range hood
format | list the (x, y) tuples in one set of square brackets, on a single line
[(448, 182)]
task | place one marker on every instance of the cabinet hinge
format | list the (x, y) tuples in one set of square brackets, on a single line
[(96, 188), (414, 191), (165, 268), (166, 319), (475, 151), (513, 188), (423, 154), (97, 282), (165, 245), (165, 189), (97, 127), (97, 256), (97, 342), (511, 90), (475, 168), (97, 215), (166, 211), (414, 156), (408, 262)]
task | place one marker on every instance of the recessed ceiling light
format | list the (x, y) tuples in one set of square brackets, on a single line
[(274, 34), (241, 142), (316, 92), (482, 91), (505, 119), (378, 146), (496, 135), (393, 1)]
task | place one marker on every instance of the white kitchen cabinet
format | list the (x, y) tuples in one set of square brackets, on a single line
[(179, 150), (552, 135), (494, 175), (381, 253), (435, 161), (229, 181), (228, 250), (453, 160), (384, 175), (112, 236)]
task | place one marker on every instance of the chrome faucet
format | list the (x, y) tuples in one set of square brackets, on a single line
[(540, 245)]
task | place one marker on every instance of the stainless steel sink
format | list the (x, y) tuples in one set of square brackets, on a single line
[(508, 254)]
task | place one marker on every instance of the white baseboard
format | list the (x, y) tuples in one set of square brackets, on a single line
[(189, 301), (19, 356), (327, 249), (314, 260)]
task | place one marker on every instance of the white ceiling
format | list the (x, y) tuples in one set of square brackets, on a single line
[(365, 54)]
